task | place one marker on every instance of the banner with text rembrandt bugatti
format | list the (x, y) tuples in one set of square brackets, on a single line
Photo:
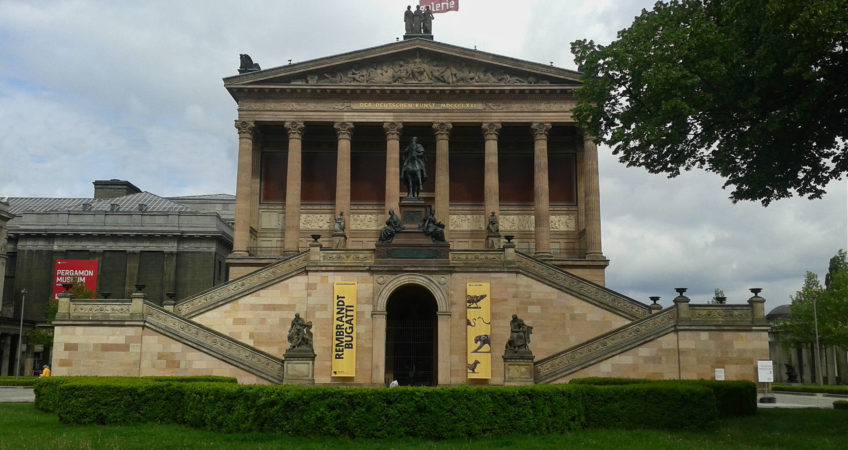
[(479, 329), (344, 329)]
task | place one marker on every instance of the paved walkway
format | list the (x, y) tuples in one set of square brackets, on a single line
[(787, 400), (16, 394), (10, 394)]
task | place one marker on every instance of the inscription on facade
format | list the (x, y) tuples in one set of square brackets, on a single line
[(417, 106)]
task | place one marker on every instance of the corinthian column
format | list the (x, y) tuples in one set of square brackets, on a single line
[(244, 192), (343, 132), (490, 181), (592, 201), (442, 203), (542, 208), (393, 130), (295, 130)]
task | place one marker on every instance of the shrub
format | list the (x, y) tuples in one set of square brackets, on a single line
[(20, 381), (840, 404), (650, 405), (732, 398)]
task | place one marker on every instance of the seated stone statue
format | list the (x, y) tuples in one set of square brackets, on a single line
[(393, 226), (433, 228), (519, 336), (247, 64)]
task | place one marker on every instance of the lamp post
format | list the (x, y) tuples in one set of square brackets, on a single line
[(20, 334), (816, 352)]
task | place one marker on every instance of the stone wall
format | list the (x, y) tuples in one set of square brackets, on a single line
[(686, 355), (133, 351)]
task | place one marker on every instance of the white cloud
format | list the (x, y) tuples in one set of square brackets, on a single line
[(133, 90)]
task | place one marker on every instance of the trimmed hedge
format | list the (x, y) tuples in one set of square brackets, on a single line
[(733, 398), (838, 390), (21, 381), (840, 404), (431, 413), (48, 389)]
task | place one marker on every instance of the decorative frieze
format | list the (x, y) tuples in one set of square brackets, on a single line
[(720, 314), (347, 257), (477, 258), (100, 308), (316, 221), (467, 222), (517, 223), (367, 221), (564, 223), (421, 70)]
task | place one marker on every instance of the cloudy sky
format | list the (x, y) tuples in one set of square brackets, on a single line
[(132, 90)]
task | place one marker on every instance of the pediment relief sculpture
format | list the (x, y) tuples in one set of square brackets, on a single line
[(421, 70)]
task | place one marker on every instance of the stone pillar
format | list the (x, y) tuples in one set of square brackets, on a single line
[(292, 225), (444, 369), (244, 191), (169, 278), (541, 203), (592, 200), (6, 342), (393, 130), (343, 133), (133, 257), (378, 348), (442, 202), (491, 193), (682, 304), (757, 303)]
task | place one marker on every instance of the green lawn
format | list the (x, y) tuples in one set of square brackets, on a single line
[(24, 427)]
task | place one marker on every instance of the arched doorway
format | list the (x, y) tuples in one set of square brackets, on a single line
[(411, 336)]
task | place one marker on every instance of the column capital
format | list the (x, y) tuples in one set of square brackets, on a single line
[(295, 129), (343, 129), (491, 130), (442, 129), (245, 129), (540, 130), (393, 129)]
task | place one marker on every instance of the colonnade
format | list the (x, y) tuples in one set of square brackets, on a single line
[(247, 189)]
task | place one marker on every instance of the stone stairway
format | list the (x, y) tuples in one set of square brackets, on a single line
[(213, 343), (224, 293), (605, 346)]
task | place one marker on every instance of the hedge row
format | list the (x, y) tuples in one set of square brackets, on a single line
[(733, 398), (839, 390), (20, 381), (432, 413), (48, 389)]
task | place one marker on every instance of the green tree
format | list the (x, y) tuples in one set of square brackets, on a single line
[(831, 305), (753, 90)]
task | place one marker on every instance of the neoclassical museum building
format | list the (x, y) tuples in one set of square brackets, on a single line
[(333, 279)]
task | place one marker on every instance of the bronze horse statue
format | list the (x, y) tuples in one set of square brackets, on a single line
[(414, 170)]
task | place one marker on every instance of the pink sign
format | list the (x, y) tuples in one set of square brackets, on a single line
[(73, 270), (440, 6)]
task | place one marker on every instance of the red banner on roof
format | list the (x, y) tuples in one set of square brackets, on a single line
[(73, 270), (440, 6)]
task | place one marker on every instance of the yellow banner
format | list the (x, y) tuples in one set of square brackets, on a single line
[(344, 329), (478, 331)]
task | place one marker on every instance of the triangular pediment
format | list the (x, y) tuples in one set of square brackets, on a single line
[(412, 62)]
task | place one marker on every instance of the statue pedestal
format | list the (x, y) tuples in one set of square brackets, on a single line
[(299, 367), (493, 240), (339, 240), (417, 36), (518, 368)]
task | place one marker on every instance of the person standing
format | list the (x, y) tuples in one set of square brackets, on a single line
[(427, 21), (416, 20), (408, 20)]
